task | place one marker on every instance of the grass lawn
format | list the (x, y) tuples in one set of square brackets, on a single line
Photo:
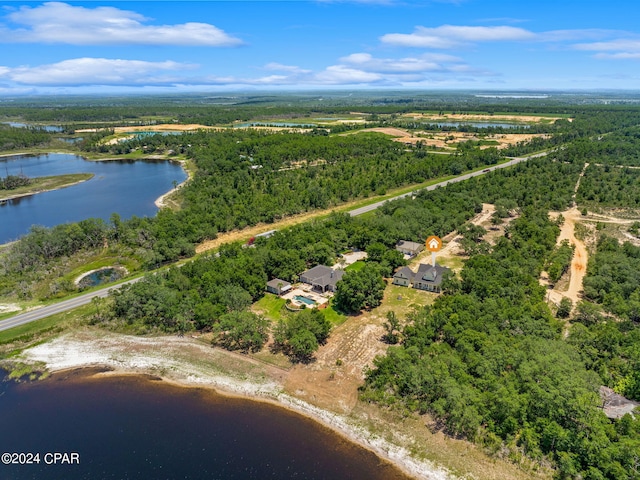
[(356, 266), (271, 306), (403, 300), (333, 316), (455, 263), (28, 331)]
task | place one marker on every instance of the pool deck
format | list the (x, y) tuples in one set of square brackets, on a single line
[(305, 291)]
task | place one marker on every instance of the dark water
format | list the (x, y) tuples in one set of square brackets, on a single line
[(104, 275), (135, 428), (126, 187)]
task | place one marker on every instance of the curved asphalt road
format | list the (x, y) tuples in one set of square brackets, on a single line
[(65, 305)]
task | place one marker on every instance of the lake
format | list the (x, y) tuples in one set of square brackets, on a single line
[(140, 428), (46, 128), (123, 186)]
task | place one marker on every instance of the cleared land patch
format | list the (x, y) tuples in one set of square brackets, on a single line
[(450, 140), (478, 117)]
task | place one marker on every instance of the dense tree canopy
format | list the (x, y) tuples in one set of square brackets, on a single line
[(360, 289), (490, 364)]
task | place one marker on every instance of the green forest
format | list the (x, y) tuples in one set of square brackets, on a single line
[(491, 360)]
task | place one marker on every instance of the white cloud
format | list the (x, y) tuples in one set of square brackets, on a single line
[(354, 69), (450, 36), (342, 74), (423, 63), (577, 34), (620, 44), (56, 22), (361, 69), (619, 56), (285, 68), (618, 49), (97, 71)]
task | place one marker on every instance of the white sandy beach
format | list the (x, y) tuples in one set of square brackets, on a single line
[(190, 363)]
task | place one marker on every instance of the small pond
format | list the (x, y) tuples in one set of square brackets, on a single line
[(100, 276)]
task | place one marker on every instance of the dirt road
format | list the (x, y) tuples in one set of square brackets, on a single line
[(578, 263)]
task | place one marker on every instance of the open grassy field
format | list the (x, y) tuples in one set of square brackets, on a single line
[(271, 306)]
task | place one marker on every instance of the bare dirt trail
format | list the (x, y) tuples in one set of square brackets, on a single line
[(597, 217), (452, 245), (580, 259), (579, 262)]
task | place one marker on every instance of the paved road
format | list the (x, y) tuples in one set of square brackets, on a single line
[(59, 307), (466, 176), (65, 305)]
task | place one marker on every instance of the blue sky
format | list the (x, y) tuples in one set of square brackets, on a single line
[(208, 46)]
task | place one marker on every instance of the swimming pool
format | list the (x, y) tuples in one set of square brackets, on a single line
[(303, 299)]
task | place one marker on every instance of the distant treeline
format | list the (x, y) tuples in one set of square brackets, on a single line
[(213, 111)]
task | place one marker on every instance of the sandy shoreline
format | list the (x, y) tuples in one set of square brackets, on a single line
[(160, 201), (169, 358)]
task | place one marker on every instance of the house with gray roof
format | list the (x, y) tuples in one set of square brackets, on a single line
[(429, 277), (404, 277), (322, 278), (277, 286), (409, 248)]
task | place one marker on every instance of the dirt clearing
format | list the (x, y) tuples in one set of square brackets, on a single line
[(578, 268), (472, 117), (450, 140)]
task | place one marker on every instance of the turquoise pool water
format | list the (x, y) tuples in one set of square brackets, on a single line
[(306, 300)]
